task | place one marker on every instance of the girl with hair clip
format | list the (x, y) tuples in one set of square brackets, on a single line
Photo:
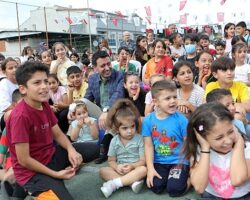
[(62, 62), (219, 156), (126, 152), (83, 128)]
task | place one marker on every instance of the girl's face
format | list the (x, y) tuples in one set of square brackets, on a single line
[(10, 71), (74, 59), (127, 129), (204, 63), (143, 43), (167, 52), (123, 56), (46, 58), (53, 84), (60, 51), (185, 76), (198, 49), (150, 37), (241, 54), (221, 137), (132, 84), (29, 51), (230, 31), (159, 51), (81, 113)]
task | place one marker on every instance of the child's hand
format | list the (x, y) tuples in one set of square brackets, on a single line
[(137, 94), (80, 123), (182, 106), (71, 87), (239, 141), (203, 143), (87, 121), (150, 177), (127, 168), (119, 169), (67, 173)]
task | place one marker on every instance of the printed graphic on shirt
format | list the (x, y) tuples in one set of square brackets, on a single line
[(219, 179), (164, 144), (175, 173)]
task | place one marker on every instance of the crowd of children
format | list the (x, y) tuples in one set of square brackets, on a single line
[(172, 114)]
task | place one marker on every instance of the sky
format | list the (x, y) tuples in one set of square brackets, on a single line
[(163, 11)]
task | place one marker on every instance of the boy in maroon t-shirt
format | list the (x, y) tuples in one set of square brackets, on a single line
[(39, 166)]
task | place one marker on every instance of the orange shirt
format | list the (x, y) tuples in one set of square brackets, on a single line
[(164, 66)]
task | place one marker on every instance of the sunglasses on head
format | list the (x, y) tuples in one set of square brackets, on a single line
[(132, 73)]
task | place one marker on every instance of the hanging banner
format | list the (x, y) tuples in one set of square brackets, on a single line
[(115, 21), (148, 20), (220, 17), (182, 4), (148, 11), (183, 19), (223, 2), (119, 14)]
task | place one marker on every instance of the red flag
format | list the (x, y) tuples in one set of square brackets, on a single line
[(115, 21), (119, 13), (92, 14), (220, 17), (149, 20), (222, 2), (69, 20), (183, 19), (182, 4), (148, 11)]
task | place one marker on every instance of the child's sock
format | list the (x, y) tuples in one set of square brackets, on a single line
[(117, 182)]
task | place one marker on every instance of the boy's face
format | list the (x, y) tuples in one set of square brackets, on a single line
[(229, 103), (36, 90), (75, 79), (240, 30), (224, 76), (220, 50), (166, 102), (204, 43)]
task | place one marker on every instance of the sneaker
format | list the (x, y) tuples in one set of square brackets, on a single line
[(137, 186), (108, 188)]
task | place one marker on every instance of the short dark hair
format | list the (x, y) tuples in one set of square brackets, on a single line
[(220, 43), (203, 37), (242, 24), (76, 55), (97, 55), (5, 62), (2, 57), (217, 94), (86, 61), (160, 86), (73, 70), (123, 48), (16, 96), (173, 37), (238, 38), (190, 36), (26, 70), (223, 63)]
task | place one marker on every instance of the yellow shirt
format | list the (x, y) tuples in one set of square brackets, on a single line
[(79, 94), (239, 90)]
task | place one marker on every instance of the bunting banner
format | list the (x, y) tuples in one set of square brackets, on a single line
[(182, 4), (148, 20), (220, 17), (83, 21), (183, 19), (69, 20), (136, 21), (148, 11), (119, 14), (115, 21), (92, 14), (223, 2)]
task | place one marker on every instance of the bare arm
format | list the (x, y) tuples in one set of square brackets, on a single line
[(238, 165)]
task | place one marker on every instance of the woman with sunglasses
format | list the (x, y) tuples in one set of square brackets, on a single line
[(133, 91), (160, 64)]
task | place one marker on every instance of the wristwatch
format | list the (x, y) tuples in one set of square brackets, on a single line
[(105, 109)]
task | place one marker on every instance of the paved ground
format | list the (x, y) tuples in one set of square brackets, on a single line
[(86, 186)]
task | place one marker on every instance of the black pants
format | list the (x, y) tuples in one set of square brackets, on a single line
[(63, 120), (41, 182), (174, 179)]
